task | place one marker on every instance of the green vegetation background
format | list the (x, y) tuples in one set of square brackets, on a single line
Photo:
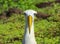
[(46, 32)]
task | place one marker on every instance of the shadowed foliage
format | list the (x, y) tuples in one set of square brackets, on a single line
[(6, 14), (45, 4), (42, 15)]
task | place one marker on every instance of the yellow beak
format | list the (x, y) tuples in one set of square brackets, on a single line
[(29, 23)]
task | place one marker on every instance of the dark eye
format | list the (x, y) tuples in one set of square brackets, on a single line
[(24, 13), (35, 14)]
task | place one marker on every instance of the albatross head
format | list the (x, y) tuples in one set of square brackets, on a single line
[(29, 14)]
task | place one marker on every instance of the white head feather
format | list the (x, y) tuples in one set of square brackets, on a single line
[(30, 12)]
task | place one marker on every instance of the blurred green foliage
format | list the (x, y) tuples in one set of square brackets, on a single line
[(47, 31)]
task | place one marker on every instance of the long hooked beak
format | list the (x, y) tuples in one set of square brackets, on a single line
[(29, 22)]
